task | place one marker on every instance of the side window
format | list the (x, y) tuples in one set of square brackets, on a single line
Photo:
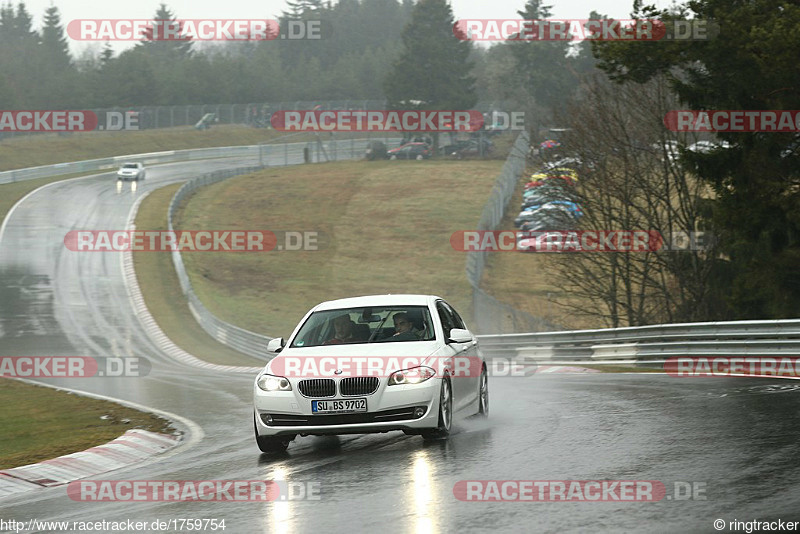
[(457, 321), (446, 318)]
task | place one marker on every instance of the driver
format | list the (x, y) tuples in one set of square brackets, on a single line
[(343, 328), (404, 328)]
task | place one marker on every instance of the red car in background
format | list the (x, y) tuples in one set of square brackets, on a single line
[(416, 151)]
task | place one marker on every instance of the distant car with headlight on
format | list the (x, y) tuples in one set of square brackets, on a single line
[(131, 171), (371, 364)]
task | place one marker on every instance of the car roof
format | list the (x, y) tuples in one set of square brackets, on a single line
[(378, 300)]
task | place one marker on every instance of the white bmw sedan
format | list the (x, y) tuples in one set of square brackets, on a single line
[(371, 364)]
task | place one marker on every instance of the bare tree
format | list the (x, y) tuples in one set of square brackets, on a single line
[(632, 179)]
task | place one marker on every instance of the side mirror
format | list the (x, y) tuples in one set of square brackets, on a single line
[(459, 335), (276, 344)]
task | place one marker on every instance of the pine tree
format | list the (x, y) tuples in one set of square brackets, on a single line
[(153, 40), (434, 68), (54, 46)]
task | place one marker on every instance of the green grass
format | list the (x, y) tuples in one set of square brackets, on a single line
[(40, 423), (47, 149), (162, 292), (385, 228)]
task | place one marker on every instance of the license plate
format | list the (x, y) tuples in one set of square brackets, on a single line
[(339, 406)]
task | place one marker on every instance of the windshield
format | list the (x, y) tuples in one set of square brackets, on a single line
[(130, 166), (366, 325)]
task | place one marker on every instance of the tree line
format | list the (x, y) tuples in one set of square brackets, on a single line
[(361, 43), (747, 195)]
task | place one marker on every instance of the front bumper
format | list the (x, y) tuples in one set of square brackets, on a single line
[(389, 408)]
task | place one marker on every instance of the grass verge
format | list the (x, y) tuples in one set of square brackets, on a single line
[(162, 292), (48, 149), (384, 227), (34, 431)]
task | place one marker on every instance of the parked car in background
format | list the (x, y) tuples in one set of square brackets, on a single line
[(131, 171), (416, 151), (470, 148)]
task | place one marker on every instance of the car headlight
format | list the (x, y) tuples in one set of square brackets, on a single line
[(273, 383), (415, 375)]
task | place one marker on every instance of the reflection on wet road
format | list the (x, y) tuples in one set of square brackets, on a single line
[(736, 440)]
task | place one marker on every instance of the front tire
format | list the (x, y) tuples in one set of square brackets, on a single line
[(271, 443), (445, 413), (483, 395)]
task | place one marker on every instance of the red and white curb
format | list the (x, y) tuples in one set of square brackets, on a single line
[(130, 448), (149, 324)]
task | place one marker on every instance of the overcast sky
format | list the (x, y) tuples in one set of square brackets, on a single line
[(270, 9)]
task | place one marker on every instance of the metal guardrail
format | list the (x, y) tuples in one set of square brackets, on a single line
[(170, 156), (238, 338), (278, 153), (245, 341), (652, 342)]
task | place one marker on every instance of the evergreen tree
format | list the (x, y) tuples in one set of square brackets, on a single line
[(433, 67), (750, 65), (54, 47), (154, 42)]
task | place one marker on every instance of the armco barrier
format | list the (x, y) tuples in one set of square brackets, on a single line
[(171, 156), (240, 339), (653, 342), (272, 153)]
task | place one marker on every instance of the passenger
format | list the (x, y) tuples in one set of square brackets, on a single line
[(404, 328), (344, 330)]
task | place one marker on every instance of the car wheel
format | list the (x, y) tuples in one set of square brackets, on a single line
[(483, 395), (445, 413), (271, 443)]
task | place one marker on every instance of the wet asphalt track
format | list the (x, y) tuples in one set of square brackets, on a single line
[(738, 439)]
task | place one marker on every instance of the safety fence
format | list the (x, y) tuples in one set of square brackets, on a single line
[(489, 314), (245, 341)]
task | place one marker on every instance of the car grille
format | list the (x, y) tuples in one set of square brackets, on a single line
[(318, 387), (361, 385), (399, 414)]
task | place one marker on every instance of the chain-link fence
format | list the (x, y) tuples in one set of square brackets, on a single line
[(491, 316), (203, 116), (255, 114)]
